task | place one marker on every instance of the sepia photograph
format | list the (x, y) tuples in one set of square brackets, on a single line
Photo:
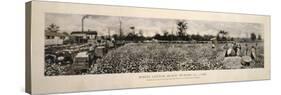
[(73, 47), (82, 44)]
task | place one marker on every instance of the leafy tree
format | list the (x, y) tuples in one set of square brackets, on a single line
[(171, 37), (157, 36), (116, 37), (223, 37), (187, 37), (165, 35), (141, 37), (253, 36), (130, 36), (197, 37), (53, 28), (181, 26), (259, 37)]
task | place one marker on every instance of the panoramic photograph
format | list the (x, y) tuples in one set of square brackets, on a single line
[(83, 44)]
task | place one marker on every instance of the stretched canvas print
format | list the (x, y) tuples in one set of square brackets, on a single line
[(82, 47)]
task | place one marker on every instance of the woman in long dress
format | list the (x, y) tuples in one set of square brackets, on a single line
[(253, 53)]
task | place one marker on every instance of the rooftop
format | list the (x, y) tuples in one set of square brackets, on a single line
[(85, 32)]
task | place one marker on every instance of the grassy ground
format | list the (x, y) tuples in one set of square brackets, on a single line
[(151, 57)]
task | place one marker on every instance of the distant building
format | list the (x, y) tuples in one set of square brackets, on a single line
[(54, 38), (83, 37)]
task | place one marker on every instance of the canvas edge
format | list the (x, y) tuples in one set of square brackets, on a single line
[(28, 47), (157, 8)]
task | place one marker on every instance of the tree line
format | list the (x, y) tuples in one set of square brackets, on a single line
[(180, 35)]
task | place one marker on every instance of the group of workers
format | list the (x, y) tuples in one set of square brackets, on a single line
[(234, 49)]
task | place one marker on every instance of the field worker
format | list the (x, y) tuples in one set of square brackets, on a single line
[(237, 49), (253, 53), (108, 45), (226, 48), (214, 42), (230, 51), (113, 41), (91, 52), (246, 49), (91, 55), (213, 46)]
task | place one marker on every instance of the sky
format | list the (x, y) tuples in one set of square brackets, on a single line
[(150, 26)]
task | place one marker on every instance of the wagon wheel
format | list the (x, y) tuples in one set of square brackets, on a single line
[(50, 59), (69, 61), (64, 58), (60, 59)]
